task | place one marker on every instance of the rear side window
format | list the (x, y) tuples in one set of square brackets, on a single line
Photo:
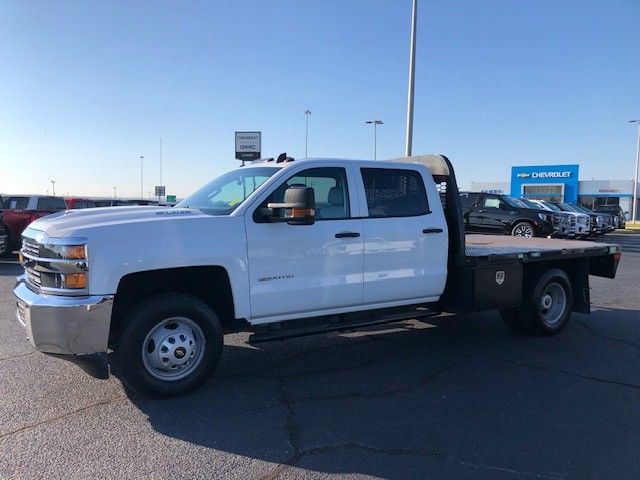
[(468, 200), (394, 192), (51, 203), (18, 203)]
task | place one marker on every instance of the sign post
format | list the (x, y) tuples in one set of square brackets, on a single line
[(171, 199), (248, 146)]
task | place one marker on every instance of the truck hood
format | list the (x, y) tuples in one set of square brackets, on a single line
[(63, 223)]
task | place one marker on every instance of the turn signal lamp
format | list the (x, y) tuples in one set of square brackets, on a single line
[(74, 280)]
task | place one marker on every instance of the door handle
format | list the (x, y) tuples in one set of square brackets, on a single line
[(432, 230), (347, 235)]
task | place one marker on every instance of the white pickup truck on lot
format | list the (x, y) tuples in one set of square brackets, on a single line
[(281, 249)]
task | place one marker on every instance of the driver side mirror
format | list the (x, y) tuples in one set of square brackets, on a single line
[(298, 206)]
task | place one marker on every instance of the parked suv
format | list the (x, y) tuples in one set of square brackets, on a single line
[(619, 218), (569, 224), (503, 214)]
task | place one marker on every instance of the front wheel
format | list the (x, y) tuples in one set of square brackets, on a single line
[(522, 229), (171, 345)]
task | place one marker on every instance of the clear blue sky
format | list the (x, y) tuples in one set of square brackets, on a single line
[(88, 86)]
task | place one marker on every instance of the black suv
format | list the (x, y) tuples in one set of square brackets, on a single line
[(503, 214), (619, 219)]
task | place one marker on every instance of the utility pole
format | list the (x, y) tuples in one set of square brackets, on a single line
[(53, 186), (307, 114), (141, 175), (412, 76), (635, 178), (375, 124)]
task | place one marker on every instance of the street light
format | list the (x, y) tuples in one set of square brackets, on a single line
[(375, 124), (412, 75), (53, 186), (307, 114), (114, 192), (635, 178), (141, 172)]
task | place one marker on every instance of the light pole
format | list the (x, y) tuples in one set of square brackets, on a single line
[(307, 114), (53, 186), (141, 173), (375, 124), (635, 178), (114, 192), (412, 76)]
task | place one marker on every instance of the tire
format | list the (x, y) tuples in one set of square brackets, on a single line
[(523, 229), (170, 346), (547, 310)]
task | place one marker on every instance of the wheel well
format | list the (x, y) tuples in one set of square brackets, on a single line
[(210, 284), (578, 272)]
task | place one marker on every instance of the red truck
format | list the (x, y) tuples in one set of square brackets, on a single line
[(20, 210), (74, 203)]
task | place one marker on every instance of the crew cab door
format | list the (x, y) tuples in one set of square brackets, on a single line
[(405, 235), (299, 271)]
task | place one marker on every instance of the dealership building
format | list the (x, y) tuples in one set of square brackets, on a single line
[(561, 183)]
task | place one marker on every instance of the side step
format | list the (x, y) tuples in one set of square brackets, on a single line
[(312, 326)]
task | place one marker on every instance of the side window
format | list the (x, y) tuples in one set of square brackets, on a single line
[(468, 200), (394, 192), (18, 203), (329, 188), (491, 202)]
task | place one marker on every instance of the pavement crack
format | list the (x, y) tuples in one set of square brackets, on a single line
[(295, 459), (293, 431), (542, 367), (64, 415), (595, 333), (20, 355), (385, 393)]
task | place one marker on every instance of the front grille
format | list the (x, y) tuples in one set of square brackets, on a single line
[(30, 247)]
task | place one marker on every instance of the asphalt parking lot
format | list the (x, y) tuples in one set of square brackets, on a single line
[(459, 397)]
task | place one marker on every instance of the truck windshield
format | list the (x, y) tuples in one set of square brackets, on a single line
[(553, 207), (224, 194)]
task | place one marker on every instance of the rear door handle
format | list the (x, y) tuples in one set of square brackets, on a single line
[(347, 235), (432, 230)]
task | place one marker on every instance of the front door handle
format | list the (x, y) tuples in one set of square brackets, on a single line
[(347, 235), (432, 230)]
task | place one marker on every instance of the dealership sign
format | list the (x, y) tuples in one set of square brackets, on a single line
[(248, 145), (544, 175)]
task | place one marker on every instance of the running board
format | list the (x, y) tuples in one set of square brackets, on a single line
[(292, 328)]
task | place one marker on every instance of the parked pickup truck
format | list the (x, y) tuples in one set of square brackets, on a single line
[(4, 231), (21, 210), (283, 249)]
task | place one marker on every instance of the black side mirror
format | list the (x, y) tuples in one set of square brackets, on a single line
[(299, 207)]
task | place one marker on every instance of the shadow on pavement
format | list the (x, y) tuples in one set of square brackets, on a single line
[(460, 395)]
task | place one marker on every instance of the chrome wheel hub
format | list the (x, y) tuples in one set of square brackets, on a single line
[(173, 348), (553, 303)]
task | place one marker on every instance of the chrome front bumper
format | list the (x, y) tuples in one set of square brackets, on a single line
[(65, 325)]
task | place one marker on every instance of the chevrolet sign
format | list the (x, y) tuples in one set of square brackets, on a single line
[(551, 174)]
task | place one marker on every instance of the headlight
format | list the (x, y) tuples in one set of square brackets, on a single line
[(69, 252)]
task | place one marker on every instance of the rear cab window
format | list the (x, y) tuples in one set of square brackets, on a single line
[(394, 192), (51, 203)]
